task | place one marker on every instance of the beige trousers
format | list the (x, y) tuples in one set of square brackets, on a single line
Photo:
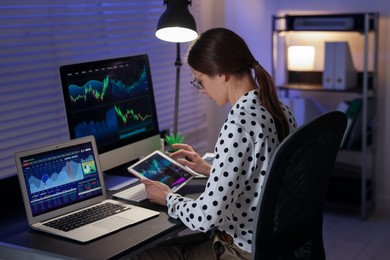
[(195, 247)]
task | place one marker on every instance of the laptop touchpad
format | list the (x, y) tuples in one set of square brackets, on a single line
[(113, 223)]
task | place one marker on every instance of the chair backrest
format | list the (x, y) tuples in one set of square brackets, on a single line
[(290, 213)]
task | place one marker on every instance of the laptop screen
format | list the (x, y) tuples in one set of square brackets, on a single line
[(60, 177)]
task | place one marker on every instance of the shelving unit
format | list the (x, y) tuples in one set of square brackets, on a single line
[(352, 183)]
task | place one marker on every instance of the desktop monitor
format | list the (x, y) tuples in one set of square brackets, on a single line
[(114, 101)]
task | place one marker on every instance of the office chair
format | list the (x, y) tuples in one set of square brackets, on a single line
[(290, 213)]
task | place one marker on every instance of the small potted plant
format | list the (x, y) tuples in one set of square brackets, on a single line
[(173, 139)]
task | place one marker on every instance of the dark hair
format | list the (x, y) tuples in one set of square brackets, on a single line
[(221, 51)]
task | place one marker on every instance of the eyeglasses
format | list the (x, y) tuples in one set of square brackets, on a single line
[(195, 82)]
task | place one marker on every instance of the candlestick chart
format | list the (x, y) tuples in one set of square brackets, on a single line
[(113, 108), (110, 89), (130, 114)]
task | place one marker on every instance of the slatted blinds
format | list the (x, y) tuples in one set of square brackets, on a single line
[(37, 37)]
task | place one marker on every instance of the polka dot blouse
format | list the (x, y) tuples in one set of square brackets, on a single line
[(242, 153)]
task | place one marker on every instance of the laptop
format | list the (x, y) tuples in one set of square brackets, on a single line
[(59, 182)]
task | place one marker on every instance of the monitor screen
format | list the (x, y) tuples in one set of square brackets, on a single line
[(114, 101)]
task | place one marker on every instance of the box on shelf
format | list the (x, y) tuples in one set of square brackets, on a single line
[(339, 70)]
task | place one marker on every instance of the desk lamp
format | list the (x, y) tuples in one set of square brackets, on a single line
[(177, 25)]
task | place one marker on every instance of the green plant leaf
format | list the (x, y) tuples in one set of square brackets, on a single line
[(174, 139)]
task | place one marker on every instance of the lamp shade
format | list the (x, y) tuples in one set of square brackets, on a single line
[(301, 58), (176, 24)]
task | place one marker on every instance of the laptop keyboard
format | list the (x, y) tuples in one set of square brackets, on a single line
[(86, 216)]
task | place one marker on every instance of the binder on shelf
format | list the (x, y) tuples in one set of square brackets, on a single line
[(329, 73), (343, 107), (353, 111), (339, 70), (345, 73), (355, 138)]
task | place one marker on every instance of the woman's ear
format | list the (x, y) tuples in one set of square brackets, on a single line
[(224, 77)]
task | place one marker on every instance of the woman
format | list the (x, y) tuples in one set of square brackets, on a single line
[(225, 70)]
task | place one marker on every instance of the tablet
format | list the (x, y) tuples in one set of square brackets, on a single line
[(158, 166)]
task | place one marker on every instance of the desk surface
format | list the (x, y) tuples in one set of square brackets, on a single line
[(123, 242)]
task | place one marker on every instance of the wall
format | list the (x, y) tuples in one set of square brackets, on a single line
[(252, 20)]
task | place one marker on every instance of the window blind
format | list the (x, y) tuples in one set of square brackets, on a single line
[(37, 37)]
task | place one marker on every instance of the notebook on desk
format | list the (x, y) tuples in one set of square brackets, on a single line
[(62, 181)]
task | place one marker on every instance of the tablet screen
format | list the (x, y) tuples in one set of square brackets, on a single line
[(159, 167)]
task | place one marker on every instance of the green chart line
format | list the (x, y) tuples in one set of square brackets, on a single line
[(130, 114)]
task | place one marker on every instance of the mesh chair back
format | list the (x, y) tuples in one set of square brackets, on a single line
[(290, 215)]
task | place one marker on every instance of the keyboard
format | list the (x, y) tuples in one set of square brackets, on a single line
[(86, 216), (135, 193)]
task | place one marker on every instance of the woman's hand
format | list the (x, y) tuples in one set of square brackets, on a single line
[(157, 191), (188, 157)]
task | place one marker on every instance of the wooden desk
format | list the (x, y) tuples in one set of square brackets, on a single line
[(124, 242)]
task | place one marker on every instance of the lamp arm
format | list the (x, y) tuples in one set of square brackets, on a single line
[(178, 65)]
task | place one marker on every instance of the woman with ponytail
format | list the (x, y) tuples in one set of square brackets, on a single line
[(225, 70)]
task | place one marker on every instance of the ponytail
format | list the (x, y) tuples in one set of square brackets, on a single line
[(270, 100)]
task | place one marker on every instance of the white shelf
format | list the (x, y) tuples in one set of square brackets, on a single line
[(362, 30)]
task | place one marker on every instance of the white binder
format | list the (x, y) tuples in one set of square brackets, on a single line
[(339, 71), (329, 73), (345, 73)]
